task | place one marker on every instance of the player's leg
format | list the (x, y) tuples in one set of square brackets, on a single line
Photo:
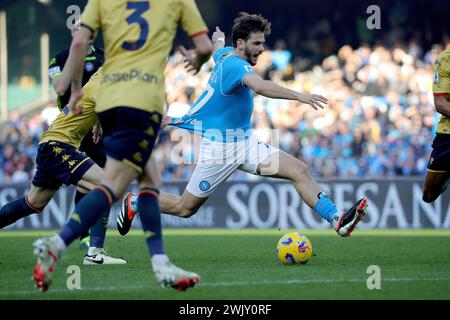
[(66, 164), (166, 273), (148, 208), (152, 179), (34, 202), (279, 164), (125, 131), (287, 167), (438, 169), (129, 137), (96, 254), (204, 181), (85, 239), (44, 185), (96, 152), (183, 206), (123, 166), (39, 197), (209, 174), (96, 203), (217, 161), (434, 185)]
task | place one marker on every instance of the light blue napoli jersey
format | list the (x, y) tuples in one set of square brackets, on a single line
[(223, 111)]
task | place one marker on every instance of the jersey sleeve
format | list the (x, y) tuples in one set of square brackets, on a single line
[(233, 73), (56, 65), (441, 83), (191, 19), (91, 16)]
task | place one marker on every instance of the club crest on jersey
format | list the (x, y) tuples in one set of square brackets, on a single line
[(204, 185), (89, 67)]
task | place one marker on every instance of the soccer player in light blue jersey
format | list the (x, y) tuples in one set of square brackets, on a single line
[(222, 115)]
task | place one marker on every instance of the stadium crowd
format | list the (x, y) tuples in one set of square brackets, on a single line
[(379, 122)]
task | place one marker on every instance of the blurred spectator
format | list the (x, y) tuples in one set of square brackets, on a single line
[(280, 56), (19, 141)]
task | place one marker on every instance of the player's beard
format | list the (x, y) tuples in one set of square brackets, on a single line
[(249, 56)]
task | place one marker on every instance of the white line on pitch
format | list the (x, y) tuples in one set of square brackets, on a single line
[(229, 284)]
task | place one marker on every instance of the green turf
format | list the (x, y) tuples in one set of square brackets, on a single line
[(242, 264)]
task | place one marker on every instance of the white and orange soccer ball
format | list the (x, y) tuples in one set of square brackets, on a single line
[(294, 248)]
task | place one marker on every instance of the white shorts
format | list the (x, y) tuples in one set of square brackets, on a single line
[(217, 161)]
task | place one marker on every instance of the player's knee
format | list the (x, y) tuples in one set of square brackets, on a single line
[(37, 203), (300, 170)]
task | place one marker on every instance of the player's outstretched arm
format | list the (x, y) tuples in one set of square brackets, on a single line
[(272, 90), (78, 49), (442, 105)]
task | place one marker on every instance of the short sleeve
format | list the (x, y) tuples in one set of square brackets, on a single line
[(191, 19), (441, 81), (91, 16), (233, 72)]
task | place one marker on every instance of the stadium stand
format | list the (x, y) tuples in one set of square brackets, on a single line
[(379, 123)]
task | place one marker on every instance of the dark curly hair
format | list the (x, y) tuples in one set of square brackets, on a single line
[(247, 23)]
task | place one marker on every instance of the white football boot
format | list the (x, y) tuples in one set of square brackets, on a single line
[(47, 255), (169, 275), (100, 256)]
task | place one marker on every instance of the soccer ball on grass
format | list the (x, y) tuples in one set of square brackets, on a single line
[(294, 248)]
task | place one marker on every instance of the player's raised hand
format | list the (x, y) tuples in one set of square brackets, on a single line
[(218, 34), (314, 100), (73, 102)]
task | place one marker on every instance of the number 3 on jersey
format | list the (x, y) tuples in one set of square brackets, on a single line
[(136, 17)]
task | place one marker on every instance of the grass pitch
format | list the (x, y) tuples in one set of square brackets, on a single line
[(242, 264)]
